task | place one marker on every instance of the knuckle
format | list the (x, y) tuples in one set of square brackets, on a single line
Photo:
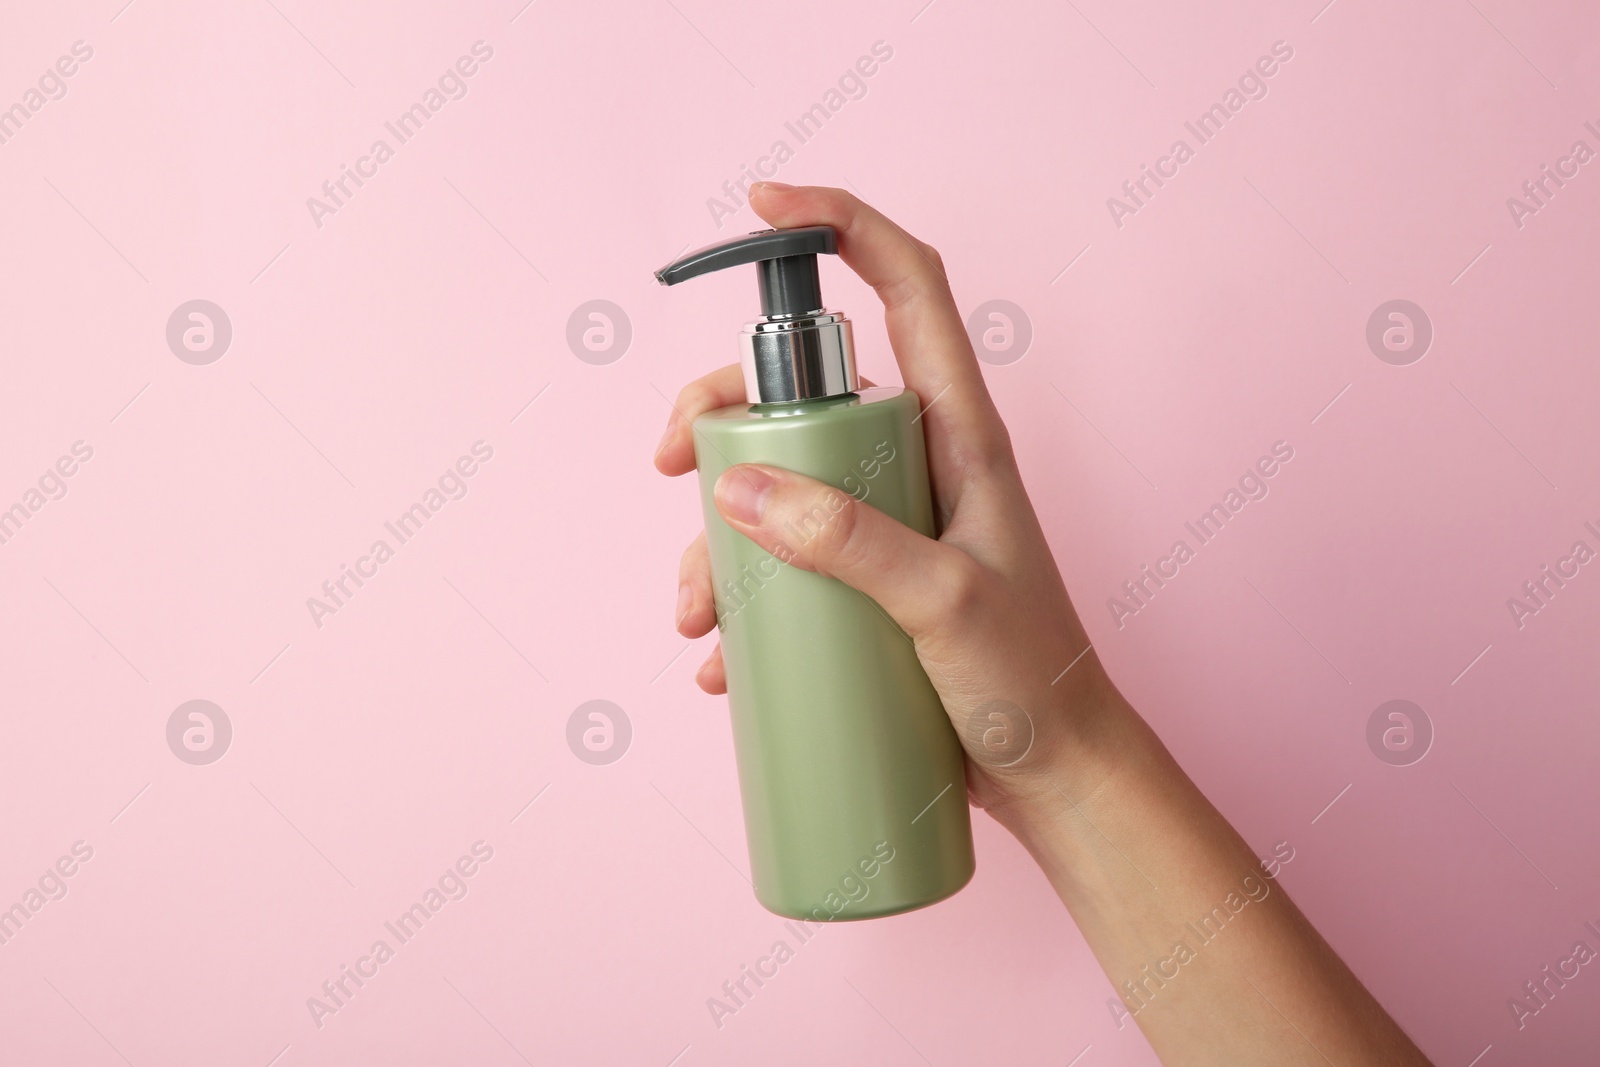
[(703, 394), (963, 587), (841, 544), (694, 399), (988, 453), (844, 200), (694, 560)]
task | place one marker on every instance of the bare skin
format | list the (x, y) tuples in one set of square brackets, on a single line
[(1131, 845)]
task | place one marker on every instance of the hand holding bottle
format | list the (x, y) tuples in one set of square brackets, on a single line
[(1055, 753), (984, 604)]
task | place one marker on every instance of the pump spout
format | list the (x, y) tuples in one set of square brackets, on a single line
[(786, 263), (797, 350)]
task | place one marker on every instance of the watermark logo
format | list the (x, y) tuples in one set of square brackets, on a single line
[(451, 85), (199, 332), (851, 85), (452, 485), (1538, 591), (1001, 332), (52, 485), (1541, 989), (598, 732), (1137, 993), (453, 884), (51, 86), (1399, 332), (599, 332), (50, 887), (1539, 191), (199, 732), (1399, 733), (998, 734), (1252, 85), (1253, 485), (853, 887)]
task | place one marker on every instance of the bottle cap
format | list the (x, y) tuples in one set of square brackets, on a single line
[(797, 350)]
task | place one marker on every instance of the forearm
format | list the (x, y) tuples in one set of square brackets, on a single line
[(1209, 955)]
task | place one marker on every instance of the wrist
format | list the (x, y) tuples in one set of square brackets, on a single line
[(1087, 734)]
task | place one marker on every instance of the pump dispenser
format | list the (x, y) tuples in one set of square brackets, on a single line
[(852, 778), (796, 350)]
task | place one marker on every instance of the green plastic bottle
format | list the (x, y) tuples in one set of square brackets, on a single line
[(852, 778)]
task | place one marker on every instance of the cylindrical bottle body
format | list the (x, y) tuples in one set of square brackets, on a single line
[(852, 777)]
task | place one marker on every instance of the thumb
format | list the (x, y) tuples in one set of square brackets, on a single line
[(819, 528)]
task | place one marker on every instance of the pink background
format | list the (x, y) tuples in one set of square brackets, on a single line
[(372, 351)]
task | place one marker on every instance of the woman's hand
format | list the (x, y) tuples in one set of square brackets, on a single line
[(1132, 847), (984, 604)]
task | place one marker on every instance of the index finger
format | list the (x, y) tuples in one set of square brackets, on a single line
[(925, 328), (723, 386)]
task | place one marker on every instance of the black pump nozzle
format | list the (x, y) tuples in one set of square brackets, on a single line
[(786, 265)]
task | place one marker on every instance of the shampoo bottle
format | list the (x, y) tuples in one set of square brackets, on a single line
[(852, 778)]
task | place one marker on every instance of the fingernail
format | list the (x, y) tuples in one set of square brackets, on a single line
[(742, 493), (685, 602), (776, 187)]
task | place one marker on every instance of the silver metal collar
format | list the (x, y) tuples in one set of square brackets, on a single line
[(798, 357)]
